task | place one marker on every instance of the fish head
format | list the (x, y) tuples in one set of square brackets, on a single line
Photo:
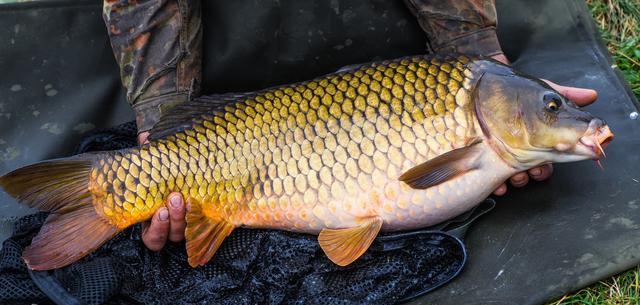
[(529, 123)]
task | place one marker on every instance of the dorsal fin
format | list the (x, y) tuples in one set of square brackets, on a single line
[(185, 115), (353, 67)]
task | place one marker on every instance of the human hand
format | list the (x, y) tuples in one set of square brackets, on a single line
[(168, 222), (581, 97)]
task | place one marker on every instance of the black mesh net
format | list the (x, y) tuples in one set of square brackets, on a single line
[(16, 287), (251, 267)]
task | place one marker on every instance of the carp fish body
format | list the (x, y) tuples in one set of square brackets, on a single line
[(392, 145)]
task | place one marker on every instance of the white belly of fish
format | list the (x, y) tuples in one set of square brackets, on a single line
[(403, 207)]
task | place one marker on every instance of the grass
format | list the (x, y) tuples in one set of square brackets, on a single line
[(623, 289), (619, 22)]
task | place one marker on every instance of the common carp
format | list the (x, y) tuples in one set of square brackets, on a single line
[(393, 145)]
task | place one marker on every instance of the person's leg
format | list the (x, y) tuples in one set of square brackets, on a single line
[(158, 46)]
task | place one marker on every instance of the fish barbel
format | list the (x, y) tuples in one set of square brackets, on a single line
[(394, 145)]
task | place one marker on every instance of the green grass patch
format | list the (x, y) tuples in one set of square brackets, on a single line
[(619, 23), (623, 289)]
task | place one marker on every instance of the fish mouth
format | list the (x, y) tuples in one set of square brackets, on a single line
[(595, 140)]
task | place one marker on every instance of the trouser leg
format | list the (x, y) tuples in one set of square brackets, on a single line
[(158, 46)]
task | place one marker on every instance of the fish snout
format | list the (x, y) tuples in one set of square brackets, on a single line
[(597, 138)]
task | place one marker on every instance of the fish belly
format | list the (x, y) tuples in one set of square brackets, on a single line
[(415, 208), (400, 206)]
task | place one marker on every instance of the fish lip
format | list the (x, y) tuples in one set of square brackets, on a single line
[(595, 141), (587, 150)]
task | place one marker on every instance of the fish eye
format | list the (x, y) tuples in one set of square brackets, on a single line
[(552, 101)]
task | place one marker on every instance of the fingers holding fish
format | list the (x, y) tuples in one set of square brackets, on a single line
[(519, 180), (142, 137), (154, 234), (167, 223), (501, 190), (580, 96), (176, 216), (541, 173)]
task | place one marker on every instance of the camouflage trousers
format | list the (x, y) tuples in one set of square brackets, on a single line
[(158, 44)]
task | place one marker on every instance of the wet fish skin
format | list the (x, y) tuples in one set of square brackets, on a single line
[(292, 157)]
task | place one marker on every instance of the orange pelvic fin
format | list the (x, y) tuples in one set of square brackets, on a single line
[(204, 234), (344, 246), (74, 229)]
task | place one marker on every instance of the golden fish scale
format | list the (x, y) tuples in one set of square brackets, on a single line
[(303, 156)]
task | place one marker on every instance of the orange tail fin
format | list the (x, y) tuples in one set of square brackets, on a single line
[(74, 229)]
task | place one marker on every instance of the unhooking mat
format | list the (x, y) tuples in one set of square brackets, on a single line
[(59, 80)]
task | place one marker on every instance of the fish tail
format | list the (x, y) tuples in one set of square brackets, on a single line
[(73, 229)]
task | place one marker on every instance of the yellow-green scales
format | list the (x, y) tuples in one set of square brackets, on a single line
[(304, 156)]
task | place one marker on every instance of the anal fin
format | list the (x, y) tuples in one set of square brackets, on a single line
[(204, 234), (344, 246)]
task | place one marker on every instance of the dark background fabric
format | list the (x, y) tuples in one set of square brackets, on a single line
[(60, 79)]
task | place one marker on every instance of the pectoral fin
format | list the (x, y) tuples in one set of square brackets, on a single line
[(443, 168), (204, 234), (343, 246)]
